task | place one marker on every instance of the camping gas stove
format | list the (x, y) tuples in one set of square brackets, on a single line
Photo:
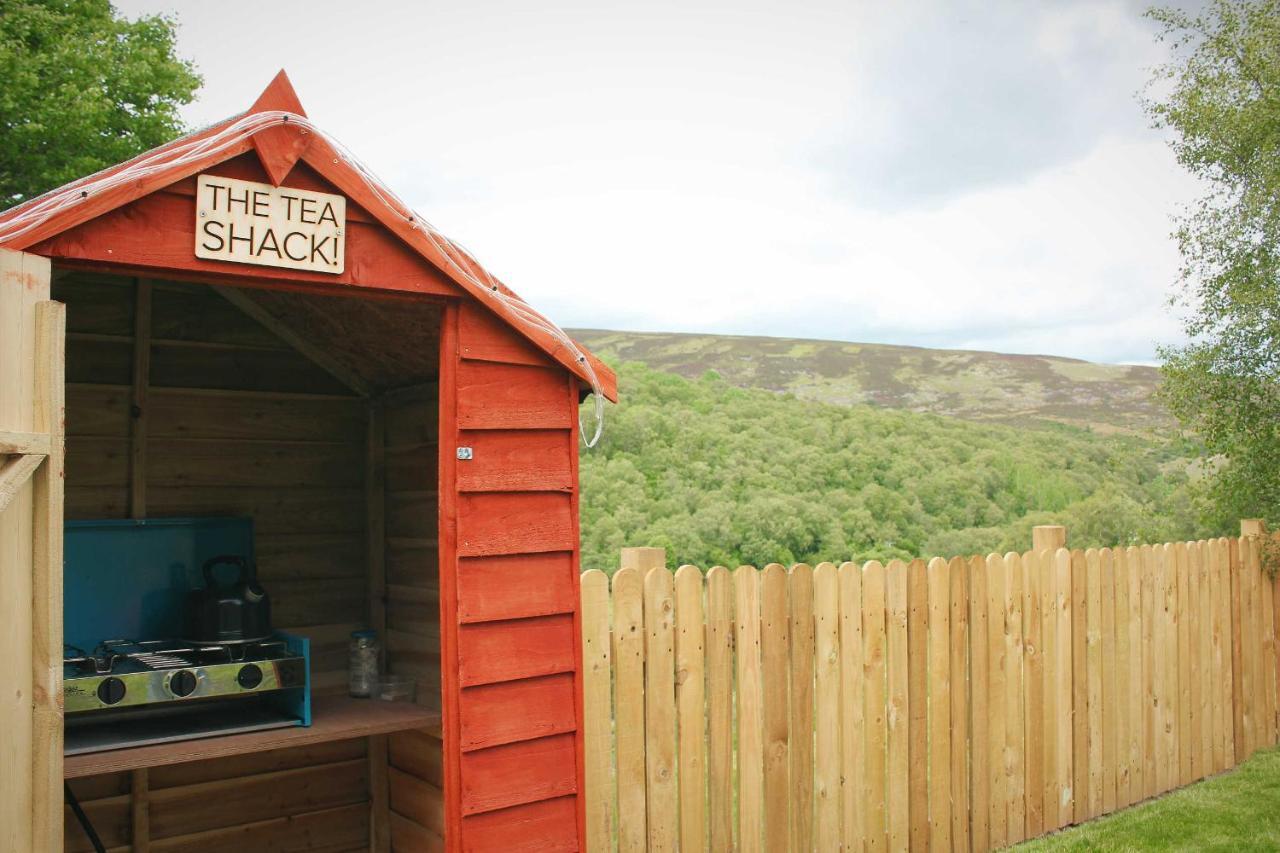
[(129, 674), (129, 693)]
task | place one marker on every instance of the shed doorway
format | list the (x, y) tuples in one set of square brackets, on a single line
[(315, 415)]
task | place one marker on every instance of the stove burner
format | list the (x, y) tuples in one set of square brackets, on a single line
[(110, 655)]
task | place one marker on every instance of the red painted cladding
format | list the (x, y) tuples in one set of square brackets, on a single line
[(158, 231), (507, 396), (517, 461), (545, 827), (511, 587), (515, 523), (516, 648), (518, 773), (546, 706)]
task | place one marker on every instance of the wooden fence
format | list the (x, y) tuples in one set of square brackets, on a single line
[(962, 704)]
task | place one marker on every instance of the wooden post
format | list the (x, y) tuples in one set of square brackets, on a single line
[(643, 559), (1048, 537), (139, 393), (1253, 527)]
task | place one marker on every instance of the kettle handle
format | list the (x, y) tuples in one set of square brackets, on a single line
[(233, 559)]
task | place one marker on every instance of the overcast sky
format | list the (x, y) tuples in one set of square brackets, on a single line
[(967, 175)]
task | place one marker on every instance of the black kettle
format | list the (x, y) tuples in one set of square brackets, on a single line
[(238, 613)]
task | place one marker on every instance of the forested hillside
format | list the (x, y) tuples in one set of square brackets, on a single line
[(724, 475), (1022, 390)]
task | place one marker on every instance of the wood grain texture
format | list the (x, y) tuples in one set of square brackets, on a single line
[(939, 704), (874, 782), (518, 773), (690, 685), (746, 611), (775, 641), (898, 710), (720, 741), (597, 689), (662, 795), (826, 782), (803, 708), (628, 657)]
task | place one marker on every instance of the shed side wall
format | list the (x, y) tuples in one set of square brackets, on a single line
[(517, 715)]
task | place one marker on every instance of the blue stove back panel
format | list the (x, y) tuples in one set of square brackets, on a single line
[(126, 579)]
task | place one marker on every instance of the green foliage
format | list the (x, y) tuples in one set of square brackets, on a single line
[(82, 89), (723, 475), (1221, 99)]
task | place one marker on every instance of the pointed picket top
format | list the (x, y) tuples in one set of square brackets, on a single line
[(279, 148)]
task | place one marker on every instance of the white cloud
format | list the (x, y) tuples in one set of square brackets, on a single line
[(755, 167)]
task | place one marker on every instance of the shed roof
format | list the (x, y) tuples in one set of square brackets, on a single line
[(277, 129)]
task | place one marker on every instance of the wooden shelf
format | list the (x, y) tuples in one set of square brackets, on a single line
[(332, 718)]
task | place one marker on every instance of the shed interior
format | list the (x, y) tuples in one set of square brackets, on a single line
[(316, 415)]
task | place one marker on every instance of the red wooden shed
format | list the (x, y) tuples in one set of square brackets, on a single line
[(256, 327)]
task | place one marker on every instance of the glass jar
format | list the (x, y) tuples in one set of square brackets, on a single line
[(363, 667)]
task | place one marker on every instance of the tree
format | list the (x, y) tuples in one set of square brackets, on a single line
[(1220, 96), (82, 88)]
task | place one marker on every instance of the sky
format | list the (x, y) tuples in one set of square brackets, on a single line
[(971, 175)]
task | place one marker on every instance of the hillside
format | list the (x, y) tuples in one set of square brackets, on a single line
[(724, 475), (1022, 390)]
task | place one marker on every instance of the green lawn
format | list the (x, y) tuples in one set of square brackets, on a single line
[(1239, 810)]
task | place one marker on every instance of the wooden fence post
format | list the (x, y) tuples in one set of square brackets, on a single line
[(1252, 527), (643, 559), (1048, 537)]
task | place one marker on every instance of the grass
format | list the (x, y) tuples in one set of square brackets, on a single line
[(1239, 810)]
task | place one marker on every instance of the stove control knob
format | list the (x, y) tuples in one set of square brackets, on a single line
[(183, 683), (250, 676), (110, 690)]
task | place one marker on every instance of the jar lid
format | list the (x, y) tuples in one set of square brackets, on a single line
[(365, 634)]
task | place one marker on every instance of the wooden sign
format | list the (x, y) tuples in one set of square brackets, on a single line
[(250, 223)]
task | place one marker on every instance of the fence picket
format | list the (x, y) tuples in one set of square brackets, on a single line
[(659, 708), (959, 571), (1065, 652), (979, 698), (1239, 681), (939, 704), (917, 703), (1093, 686), (802, 708), (1123, 687), (852, 699), (1181, 617), (917, 706), (720, 638), (874, 782), (746, 615), (1152, 721), (690, 707), (898, 710), (775, 635), (1110, 718), (1033, 704), (1079, 630), (997, 792), (597, 690), (1133, 571), (1015, 733), (628, 657), (826, 783)]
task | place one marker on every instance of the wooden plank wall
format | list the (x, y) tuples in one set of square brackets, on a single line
[(410, 420), (956, 705), (235, 421), (513, 706)]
